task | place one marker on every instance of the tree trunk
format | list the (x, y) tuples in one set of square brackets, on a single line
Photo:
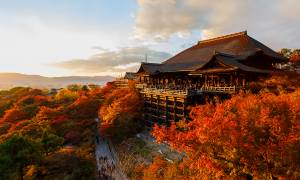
[(21, 173)]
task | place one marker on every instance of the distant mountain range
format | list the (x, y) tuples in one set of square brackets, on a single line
[(9, 80)]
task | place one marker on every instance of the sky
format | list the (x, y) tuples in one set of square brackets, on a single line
[(110, 37)]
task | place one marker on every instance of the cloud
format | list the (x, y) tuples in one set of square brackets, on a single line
[(30, 42), (160, 19), (274, 21), (113, 62)]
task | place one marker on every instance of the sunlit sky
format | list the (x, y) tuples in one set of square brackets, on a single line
[(109, 37)]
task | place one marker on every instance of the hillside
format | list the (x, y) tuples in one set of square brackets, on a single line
[(9, 80)]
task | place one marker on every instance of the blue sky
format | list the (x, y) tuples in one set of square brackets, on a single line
[(109, 37)]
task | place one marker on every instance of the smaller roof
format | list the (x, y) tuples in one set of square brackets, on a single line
[(150, 68), (230, 62), (130, 75)]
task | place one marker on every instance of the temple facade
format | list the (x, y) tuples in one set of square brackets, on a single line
[(222, 65)]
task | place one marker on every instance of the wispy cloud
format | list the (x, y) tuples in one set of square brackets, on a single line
[(113, 62), (274, 21)]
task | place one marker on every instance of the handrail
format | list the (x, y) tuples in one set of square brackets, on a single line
[(164, 91), (230, 89), (219, 89)]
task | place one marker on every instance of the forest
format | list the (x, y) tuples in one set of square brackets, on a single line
[(253, 135), (48, 136), (45, 135)]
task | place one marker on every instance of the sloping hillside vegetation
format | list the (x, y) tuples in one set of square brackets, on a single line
[(121, 112), (46, 136), (251, 135)]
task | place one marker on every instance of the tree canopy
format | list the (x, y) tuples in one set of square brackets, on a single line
[(248, 135)]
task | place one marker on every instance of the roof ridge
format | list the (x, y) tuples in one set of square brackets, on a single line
[(223, 37), (150, 63), (223, 54)]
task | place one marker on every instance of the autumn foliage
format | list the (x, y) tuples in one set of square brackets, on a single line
[(295, 58), (248, 135), (121, 112), (48, 122)]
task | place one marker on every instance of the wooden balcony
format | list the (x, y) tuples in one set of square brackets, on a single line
[(140, 86), (164, 91), (230, 89), (187, 92)]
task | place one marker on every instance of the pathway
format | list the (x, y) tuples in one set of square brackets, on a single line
[(107, 164)]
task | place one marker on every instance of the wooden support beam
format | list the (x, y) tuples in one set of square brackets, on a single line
[(157, 106), (184, 107), (166, 113), (174, 109)]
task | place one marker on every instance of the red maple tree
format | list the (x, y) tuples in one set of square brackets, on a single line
[(256, 135)]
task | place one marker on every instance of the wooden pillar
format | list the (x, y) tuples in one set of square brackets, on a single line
[(184, 106), (145, 107), (151, 96), (174, 109), (166, 114), (157, 108)]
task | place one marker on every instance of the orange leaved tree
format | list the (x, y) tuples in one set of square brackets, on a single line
[(121, 112), (248, 135), (295, 57)]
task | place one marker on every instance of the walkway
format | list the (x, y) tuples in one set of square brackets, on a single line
[(107, 165)]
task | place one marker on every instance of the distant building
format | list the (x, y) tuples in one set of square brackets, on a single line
[(123, 81), (130, 75), (221, 65), (293, 67)]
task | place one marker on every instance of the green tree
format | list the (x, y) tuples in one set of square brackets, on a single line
[(74, 87), (286, 52), (15, 154), (93, 86), (50, 142), (85, 88)]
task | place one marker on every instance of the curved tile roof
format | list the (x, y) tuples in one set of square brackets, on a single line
[(238, 44)]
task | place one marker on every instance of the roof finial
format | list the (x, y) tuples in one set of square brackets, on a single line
[(146, 58)]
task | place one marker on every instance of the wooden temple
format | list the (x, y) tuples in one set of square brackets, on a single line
[(123, 82), (222, 65)]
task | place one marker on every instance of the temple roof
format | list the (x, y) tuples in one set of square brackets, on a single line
[(150, 68), (230, 63), (239, 45), (130, 75)]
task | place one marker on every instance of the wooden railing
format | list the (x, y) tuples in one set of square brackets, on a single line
[(165, 91), (140, 86), (183, 92), (230, 89)]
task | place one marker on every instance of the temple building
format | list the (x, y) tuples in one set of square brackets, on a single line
[(222, 65)]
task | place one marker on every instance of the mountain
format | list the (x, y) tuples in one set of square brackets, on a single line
[(9, 80)]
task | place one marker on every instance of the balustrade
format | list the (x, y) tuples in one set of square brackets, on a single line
[(184, 92)]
